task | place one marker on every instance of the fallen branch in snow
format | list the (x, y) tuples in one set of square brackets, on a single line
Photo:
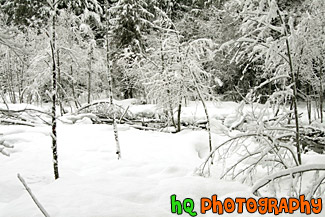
[(24, 110), (299, 169), (92, 104), (4, 152), (106, 112), (97, 103), (3, 145), (18, 114), (143, 128), (160, 124), (2, 142), (33, 196), (16, 122)]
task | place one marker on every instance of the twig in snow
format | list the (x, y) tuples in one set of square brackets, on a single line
[(126, 110), (32, 195)]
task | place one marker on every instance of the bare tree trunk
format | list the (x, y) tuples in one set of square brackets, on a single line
[(110, 88), (294, 79), (171, 112), (22, 79), (295, 103), (90, 56), (19, 78), (73, 89), (166, 80), (60, 91), (12, 89), (179, 116), (308, 103), (205, 108), (11, 80), (321, 91), (54, 92), (316, 110)]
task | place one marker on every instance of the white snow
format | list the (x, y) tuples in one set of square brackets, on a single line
[(93, 183)]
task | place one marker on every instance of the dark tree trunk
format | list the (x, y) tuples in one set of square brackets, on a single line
[(54, 92), (60, 90), (321, 91), (308, 103), (11, 81), (179, 116), (90, 56), (73, 89), (294, 77)]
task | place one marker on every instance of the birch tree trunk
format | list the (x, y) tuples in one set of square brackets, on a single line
[(110, 87), (54, 92)]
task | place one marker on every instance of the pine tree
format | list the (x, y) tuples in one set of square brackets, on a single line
[(130, 21), (26, 13)]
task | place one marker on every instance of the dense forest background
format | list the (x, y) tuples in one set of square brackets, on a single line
[(231, 46), (168, 53)]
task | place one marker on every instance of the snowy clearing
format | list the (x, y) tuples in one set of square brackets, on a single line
[(93, 183)]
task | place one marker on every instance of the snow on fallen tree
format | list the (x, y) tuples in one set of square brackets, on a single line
[(103, 110), (78, 117)]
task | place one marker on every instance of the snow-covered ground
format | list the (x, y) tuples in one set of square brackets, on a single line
[(93, 183)]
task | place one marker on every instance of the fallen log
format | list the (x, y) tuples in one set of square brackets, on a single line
[(16, 122)]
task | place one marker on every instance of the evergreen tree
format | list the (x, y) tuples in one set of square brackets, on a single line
[(26, 13), (130, 21)]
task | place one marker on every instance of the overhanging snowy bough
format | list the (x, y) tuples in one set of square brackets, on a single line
[(256, 148), (266, 163), (313, 190)]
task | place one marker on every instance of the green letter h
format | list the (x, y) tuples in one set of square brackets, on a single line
[(176, 204)]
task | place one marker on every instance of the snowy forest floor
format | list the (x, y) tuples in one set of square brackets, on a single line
[(93, 183)]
